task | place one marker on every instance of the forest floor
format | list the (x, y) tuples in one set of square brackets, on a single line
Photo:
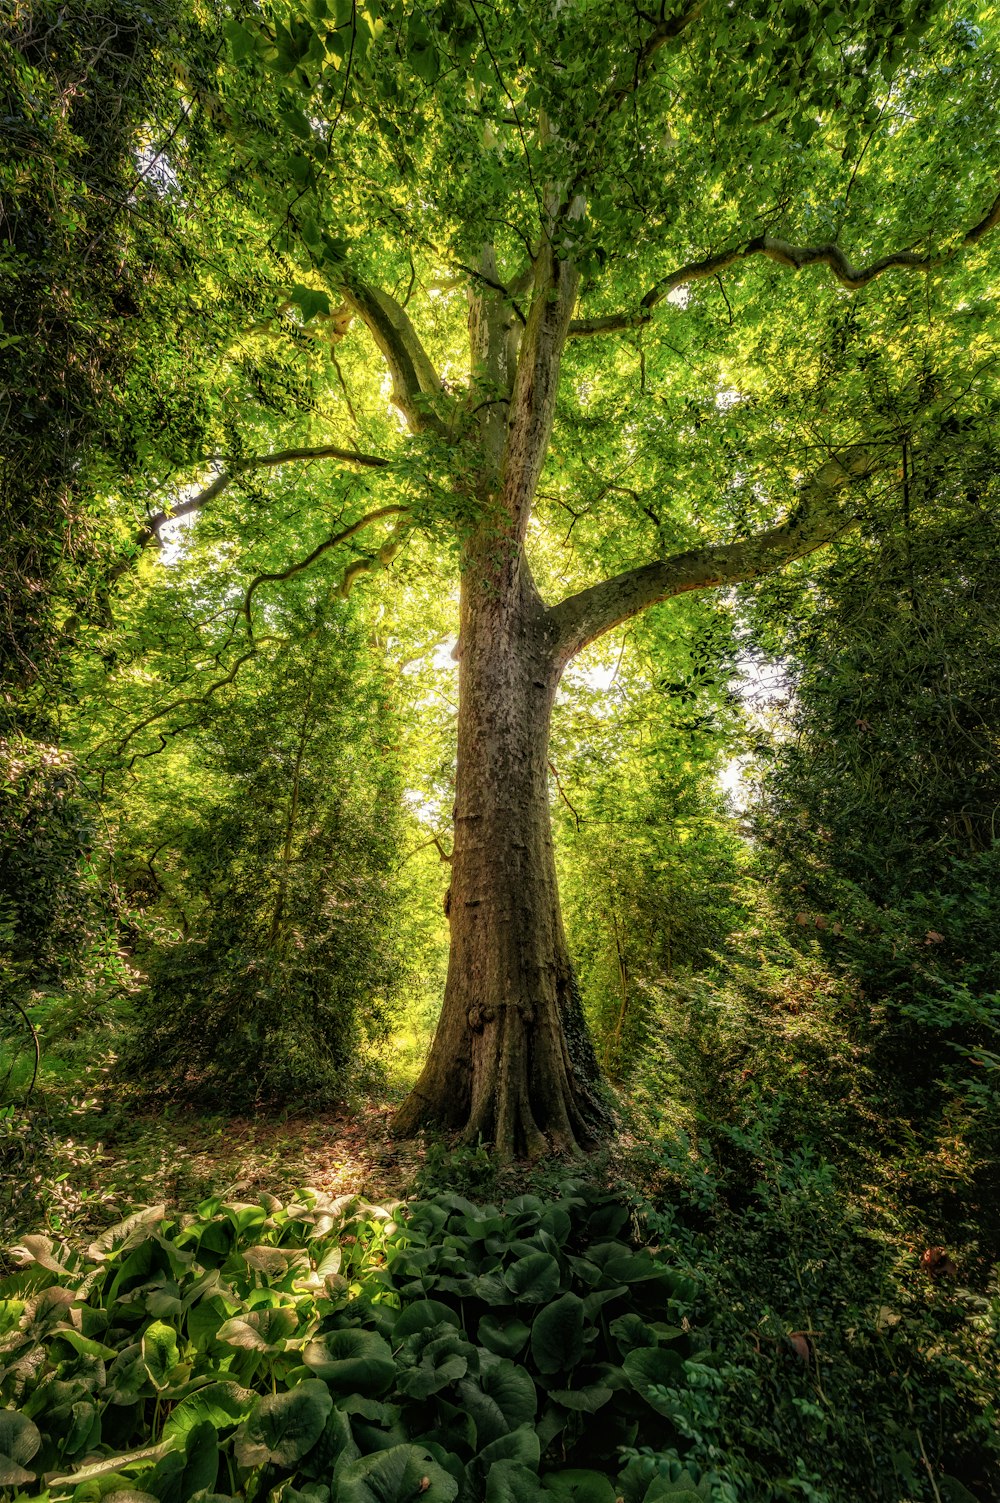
[(83, 1151)]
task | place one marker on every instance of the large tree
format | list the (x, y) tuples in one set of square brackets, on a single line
[(660, 294)]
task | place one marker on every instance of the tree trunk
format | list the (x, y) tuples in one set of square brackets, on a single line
[(511, 1061)]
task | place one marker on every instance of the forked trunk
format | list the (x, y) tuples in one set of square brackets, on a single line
[(511, 1061)]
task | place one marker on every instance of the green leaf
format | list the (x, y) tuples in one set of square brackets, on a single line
[(533, 1280), (557, 1335), (310, 301), (435, 1371), (512, 1482), (159, 1353), (505, 1338), (521, 1446), (420, 1316), (242, 42), (681, 1489), (84, 1346), (284, 1427), (127, 1377), (181, 1474), (19, 1440), (953, 1491), (108, 1465), (403, 1474), (632, 1332), (579, 1486), (351, 1361), (264, 1330), (297, 124), (492, 1289), (606, 1220), (84, 1431), (206, 1320), (336, 1442), (503, 1399), (221, 1404), (126, 1234), (650, 1368), (585, 1400), (529, 1206)]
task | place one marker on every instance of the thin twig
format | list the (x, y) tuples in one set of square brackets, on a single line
[(562, 794)]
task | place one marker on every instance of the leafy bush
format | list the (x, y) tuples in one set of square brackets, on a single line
[(877, 817), (846, 1370), (438, 1351), (772, 1161)]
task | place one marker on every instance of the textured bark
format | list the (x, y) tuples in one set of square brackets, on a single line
[(511, 1061)]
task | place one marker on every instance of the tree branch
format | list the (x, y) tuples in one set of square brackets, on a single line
[(151, 529), (817, 519), (531, 412), (786, 254), (318, 551), (415, 383), (381, 560), (663, 32), (177, 704)]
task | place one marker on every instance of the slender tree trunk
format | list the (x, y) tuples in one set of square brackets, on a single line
[(511, 1061)]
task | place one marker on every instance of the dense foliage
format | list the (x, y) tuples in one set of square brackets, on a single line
[(283, 879), (877, 823), (451, 1350), (326, 1347), (82, 88)]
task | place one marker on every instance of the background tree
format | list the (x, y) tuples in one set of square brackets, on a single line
[(283, 881), (649, 859)]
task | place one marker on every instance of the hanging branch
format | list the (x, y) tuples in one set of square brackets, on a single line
[(34, 1039), (310, 558), (150, 531)]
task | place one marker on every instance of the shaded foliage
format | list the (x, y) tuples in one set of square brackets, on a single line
[(328, 1346), (81, 86), (878, 817)]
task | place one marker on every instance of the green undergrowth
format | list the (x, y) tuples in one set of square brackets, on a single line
[(332, 1349)]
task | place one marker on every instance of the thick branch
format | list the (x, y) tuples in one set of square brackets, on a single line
[(380, 560), (415, 383), (786, 254), (817, 519), (533, 397)]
